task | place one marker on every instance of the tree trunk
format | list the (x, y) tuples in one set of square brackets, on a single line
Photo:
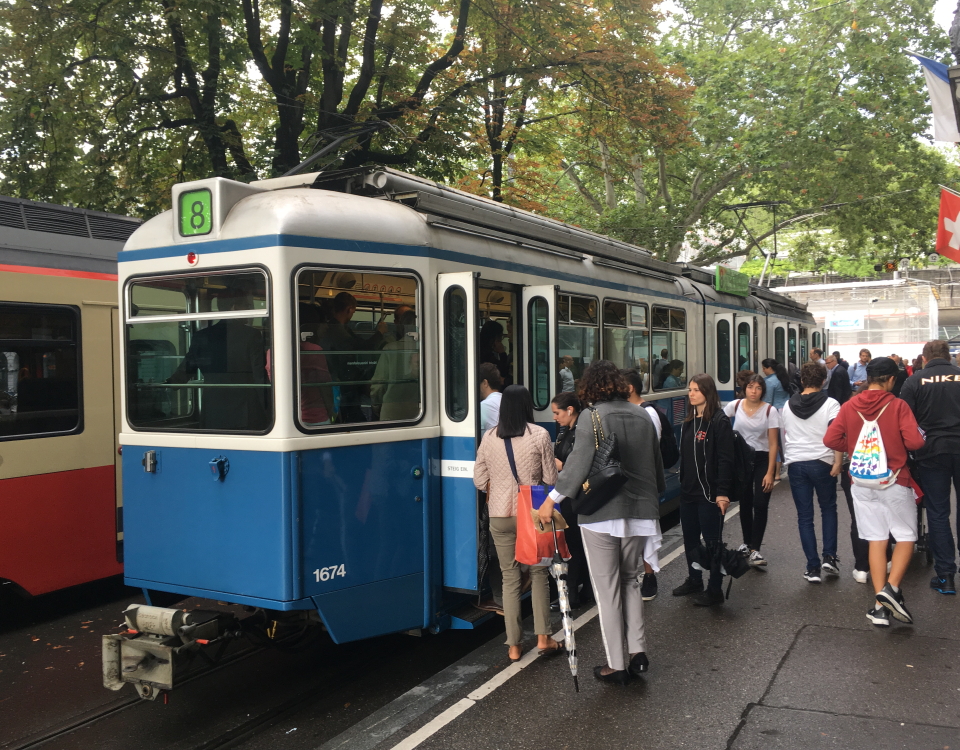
[(639, 190), (610, 192)]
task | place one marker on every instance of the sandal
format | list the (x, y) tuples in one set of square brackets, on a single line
[(519, 657), (553, 651)]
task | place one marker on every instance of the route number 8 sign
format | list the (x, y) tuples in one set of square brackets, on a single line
[(196, 213)]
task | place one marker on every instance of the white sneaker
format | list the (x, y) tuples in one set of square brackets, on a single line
[(756, 559), (743, 549), (860, 576)]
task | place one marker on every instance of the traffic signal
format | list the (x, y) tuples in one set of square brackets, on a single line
[(889, 266)]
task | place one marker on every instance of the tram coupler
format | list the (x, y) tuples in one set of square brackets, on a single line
[(158, 645)]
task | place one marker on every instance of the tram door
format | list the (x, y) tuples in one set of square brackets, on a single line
[(744, 343), (793, 352), (459, 424), (724, 359), (541, 363)]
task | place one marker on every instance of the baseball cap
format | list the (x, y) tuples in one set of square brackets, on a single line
[(881, 367)]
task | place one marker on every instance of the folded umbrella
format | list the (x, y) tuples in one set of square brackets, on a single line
[(558, 569)]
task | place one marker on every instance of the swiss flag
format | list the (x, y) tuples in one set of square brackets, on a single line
[(948, 226)]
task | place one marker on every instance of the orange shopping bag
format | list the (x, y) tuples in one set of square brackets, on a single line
[(536, 542)]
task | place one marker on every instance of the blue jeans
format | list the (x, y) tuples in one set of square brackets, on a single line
[(936, 474), (805, 477)]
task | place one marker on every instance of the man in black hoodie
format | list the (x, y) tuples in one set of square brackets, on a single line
[(813, 468), (933, 394)]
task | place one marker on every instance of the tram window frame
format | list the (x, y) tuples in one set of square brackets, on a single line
[(626, 323), (540, 395), (780, 344), (815, 339), (741, 352), (266, 311), (325, 429), (76, 343), (565, 321), (457, 382), (669, 316), (723, 352)]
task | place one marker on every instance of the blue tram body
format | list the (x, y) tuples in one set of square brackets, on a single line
[(279, 462)]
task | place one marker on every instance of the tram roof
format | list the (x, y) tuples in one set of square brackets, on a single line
[(47, 235)]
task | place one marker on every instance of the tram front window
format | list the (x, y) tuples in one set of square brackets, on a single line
[(198, 353), (360, 354)]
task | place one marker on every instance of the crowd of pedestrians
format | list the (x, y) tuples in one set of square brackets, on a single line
[(890, 432)]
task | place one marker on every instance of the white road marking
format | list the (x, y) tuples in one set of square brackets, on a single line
[(505, 675)]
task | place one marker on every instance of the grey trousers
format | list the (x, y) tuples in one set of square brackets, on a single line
[(504, 532), (615, 565)]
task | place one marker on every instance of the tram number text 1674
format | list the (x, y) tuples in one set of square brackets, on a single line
[(329, 573)]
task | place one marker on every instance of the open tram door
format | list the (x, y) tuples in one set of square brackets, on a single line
[(457, 294)]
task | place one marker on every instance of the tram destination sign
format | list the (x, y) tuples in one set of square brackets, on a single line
[(732, 282)]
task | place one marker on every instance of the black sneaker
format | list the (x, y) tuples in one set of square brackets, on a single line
[(893, 600), (831, 565), (943, 584), (648, 589), (689, 586), (878, 616), (812, 574), (708, 598)]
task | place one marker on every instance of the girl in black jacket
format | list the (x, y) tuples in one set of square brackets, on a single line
[(566, 409), (706, 479)]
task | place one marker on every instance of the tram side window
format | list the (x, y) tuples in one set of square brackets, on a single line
[(792, 345), (670, 348), (816, 340), (455, 361), (360, 357), (743, 346), (578, 342), (780, 345), (537, 315), (723, 351), (626, 338), (198, 350), (39, 370)]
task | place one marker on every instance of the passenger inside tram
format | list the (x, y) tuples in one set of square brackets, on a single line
[(395, 387), (673, 375), (318, 395), (226, 356)]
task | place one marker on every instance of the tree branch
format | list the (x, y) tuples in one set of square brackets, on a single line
[(368, 64)]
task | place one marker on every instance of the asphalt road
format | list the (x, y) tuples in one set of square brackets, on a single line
[(782, 664)]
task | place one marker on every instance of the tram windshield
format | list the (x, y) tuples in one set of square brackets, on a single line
[(198, 353), (360, 354)]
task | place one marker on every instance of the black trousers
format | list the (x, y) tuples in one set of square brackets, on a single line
[(700, 517), (861, 548), (577, 571), (755, 504)]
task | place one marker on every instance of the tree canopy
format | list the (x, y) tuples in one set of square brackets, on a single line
[(606, 113)]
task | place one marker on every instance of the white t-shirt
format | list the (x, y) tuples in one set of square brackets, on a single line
[(651, 412), (803, 438), (490, 411), (754, 429)]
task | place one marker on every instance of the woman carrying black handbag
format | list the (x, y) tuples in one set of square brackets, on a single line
[(706, 480), (614, 536)]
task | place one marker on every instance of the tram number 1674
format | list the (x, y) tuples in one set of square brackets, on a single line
[(329, 573)]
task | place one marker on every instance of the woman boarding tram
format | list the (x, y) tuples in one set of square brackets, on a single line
[(759, 424), (706, 478), (614, 537), (494, 472), (777, 380)]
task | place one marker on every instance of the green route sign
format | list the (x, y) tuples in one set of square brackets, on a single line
[(196, 213), (732, 282)]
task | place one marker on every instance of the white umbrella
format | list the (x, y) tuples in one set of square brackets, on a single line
[(558, 569)]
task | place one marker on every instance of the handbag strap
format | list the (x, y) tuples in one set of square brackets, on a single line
[(511, 459), (597, 427)]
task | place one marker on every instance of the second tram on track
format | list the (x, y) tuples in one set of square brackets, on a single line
[(300, 395)]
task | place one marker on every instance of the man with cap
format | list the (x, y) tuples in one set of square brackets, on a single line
[(890, 510), (933, 394)]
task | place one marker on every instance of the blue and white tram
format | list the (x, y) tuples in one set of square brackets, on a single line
[(300, 410)]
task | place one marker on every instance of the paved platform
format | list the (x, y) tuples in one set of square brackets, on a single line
[(782, 664)]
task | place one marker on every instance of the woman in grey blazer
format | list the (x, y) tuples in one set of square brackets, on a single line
[(614, 536)]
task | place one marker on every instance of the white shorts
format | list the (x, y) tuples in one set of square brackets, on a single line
[(882, 513)]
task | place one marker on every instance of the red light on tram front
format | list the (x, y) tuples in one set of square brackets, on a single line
[(193, 259)]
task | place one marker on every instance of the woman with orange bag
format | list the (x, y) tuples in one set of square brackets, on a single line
[(533, 455)]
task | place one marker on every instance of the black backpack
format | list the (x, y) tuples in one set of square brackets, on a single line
[(669, 451), (743, 460)]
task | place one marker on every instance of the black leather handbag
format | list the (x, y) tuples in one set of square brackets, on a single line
[(605, 478)]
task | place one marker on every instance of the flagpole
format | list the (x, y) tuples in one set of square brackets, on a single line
[(949, 190)]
